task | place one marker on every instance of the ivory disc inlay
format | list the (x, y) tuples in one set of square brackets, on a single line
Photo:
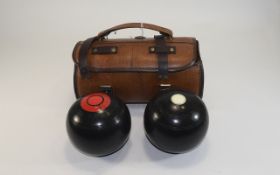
[(178, 99)]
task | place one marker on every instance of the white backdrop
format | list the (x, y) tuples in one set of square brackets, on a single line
[(239, 42)]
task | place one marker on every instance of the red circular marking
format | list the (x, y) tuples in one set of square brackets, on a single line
[(95, 102)]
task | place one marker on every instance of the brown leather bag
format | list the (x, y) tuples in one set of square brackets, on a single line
[(136, 69)]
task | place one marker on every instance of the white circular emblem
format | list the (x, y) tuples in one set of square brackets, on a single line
[(178, 99)]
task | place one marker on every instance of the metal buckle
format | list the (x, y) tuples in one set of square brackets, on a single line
[(106, 88)]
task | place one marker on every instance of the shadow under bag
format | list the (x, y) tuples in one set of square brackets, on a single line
[(137, 69)]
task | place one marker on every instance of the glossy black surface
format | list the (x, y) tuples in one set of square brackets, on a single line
[(99, 133), (175, 128)]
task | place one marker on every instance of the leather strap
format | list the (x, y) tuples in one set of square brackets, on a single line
[(85, 47), (162, 57), (105, 50), (164, 31)]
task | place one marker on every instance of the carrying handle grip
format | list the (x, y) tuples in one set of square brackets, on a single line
[(164, 31)]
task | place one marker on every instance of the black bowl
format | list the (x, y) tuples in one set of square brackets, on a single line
[(176, 121), (98, 124)]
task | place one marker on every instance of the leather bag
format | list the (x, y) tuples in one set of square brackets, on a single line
[(137, 69)]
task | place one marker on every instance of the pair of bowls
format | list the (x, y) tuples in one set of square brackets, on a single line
[(175, 122)]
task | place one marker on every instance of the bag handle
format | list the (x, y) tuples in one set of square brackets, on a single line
[(164, 31), (87, 43)]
